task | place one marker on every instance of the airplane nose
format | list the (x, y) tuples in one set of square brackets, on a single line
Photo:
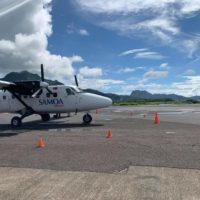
[(93, 101), (106, 101)]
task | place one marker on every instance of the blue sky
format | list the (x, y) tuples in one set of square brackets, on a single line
[(114, 46), (154, 60)]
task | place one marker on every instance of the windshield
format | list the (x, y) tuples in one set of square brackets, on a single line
[(76, 89)]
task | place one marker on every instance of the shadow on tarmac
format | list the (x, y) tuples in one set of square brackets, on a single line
[(6, 130)]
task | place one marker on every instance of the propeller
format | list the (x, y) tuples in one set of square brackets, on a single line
[(43, 84), (76, 80), (42, 73)]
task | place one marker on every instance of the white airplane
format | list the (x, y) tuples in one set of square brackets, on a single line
[(37, 97)]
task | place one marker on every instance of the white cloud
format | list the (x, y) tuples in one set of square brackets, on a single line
[(90, 72), (98, 83), (84, 32), (126, 70), (25, 28), (140, 68), (164, 66), (152, 74), (149, 55), (132, 51), (163, 25), (72, 29), (143, 53), (146, 19), (189, 72), (189, 87)]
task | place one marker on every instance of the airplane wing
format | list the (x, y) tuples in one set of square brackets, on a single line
[(21, 87), (5, 84)]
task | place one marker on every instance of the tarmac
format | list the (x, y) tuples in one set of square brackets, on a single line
[(141, 160)]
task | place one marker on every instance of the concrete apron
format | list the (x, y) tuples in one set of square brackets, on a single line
[(148, 183)]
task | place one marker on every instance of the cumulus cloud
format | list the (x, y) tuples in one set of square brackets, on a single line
[(144, 17), (91, 72), (25, 28)]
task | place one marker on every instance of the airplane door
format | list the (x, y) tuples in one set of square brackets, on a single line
[(70, 100), (4, 102)]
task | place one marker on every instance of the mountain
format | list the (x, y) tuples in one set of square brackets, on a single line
[(135, 95), (138, 94), (27, 76)]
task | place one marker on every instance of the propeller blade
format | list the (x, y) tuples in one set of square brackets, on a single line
[(76, 80), (38, 92), (42, 73)]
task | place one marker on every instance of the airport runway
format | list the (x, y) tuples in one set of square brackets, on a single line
[(136, 141)]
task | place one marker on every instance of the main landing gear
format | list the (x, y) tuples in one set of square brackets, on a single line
[(87, 119), (45, 117), (17, 121)]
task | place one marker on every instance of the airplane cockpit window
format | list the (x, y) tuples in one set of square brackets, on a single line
[(73, 89), (48, 95), (55, 94), (69, 91), (76, 89)]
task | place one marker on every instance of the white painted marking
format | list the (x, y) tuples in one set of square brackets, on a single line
[(170, 132)]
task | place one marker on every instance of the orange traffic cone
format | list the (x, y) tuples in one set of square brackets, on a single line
[(109, 134), (40, 143), (156, 121)]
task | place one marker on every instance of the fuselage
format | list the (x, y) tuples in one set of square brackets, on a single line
[(64, 99)]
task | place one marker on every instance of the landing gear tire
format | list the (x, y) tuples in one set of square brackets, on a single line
[(45, 117), (87, 118), (16, 122)]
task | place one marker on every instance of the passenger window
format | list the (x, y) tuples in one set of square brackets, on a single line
[(48, 95), (69, 92), (55, 94), (4, 97)]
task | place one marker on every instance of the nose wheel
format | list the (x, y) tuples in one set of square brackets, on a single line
[(87, 118)]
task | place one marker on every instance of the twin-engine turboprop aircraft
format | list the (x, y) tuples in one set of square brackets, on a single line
[(37, 97)]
